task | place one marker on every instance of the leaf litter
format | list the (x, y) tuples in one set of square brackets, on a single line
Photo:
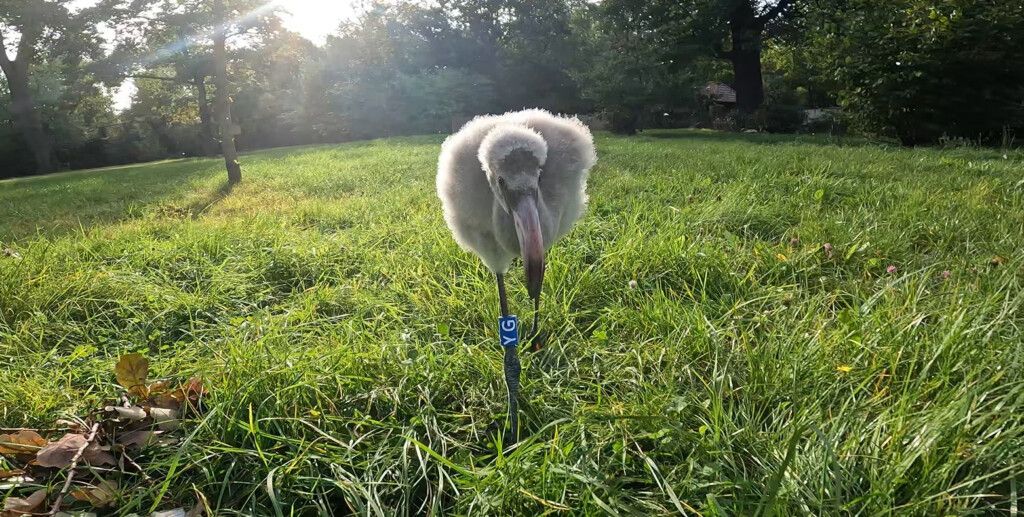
[(92, 452)]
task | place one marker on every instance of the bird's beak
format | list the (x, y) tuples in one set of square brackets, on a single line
[(531, 242)]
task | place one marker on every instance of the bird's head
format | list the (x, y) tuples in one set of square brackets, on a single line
[(513, 157)]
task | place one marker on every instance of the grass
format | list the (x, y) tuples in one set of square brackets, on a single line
[(350, 346)]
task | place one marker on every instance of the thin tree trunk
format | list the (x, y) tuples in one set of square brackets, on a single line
[(223, 99), (26, 116), (209, 145), (746, 57), (199, 71)]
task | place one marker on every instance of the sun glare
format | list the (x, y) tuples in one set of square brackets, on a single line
[(316, 19)]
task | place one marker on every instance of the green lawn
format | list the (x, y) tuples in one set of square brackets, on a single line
[(350, 347)]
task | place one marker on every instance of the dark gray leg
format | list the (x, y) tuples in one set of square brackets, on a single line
[(512, 370)]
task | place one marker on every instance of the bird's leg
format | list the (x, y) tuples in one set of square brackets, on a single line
[(512, 370), (534, 336), (502, 296)]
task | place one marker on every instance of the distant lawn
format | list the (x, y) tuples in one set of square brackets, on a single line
[(351, 352)]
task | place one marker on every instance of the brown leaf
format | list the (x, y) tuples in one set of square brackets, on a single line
[(24, 505), (201, 505), (133, 413), (22, 442), (60, 453), (95, 455), (140, 438), (6, 474), (194, 392), (168, 400), (73, 426), (101, 495), (166, 419), (159, 386), (998, 260), (195, 385), (131, 370)]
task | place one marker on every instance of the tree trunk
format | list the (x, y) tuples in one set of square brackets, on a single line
[(26, 115), (209, 145), (746, 68), (746, 57), (223, 100)]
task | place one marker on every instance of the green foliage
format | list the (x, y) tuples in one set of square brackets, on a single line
[(351, 348), (408, 68), (377, 85), (919, 69), (783, 111), (47, 49), (625, 75)]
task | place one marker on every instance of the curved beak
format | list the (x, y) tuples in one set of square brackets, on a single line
[(531, 242)]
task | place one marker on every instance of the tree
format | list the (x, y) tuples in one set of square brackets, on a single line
[(623, 66), (223, 102), (537, 53), (26, 115), (48, 35), (747, 26), (730, 30), (45, 30), (918, 70), (167, 44), (186, 42)]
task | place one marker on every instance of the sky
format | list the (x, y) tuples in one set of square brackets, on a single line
[(313, 19)]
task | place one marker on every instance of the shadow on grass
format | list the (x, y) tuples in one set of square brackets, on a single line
[(57, 204), (200, 207)]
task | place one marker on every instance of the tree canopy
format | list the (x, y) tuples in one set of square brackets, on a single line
[(920, 71)]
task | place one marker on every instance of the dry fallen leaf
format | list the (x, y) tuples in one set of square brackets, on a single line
[(194, 392), (99, 496), (166, 419), (131, 370), (140, 438), (131, 413), (95, 455), (22, 442), (194, 385), (73, 426), (201, 505), (14, 506), (60, 453), (168, 400), (6, 474), (998, 260), (159, 386)]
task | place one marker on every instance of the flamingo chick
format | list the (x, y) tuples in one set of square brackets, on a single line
[(513, 185)]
